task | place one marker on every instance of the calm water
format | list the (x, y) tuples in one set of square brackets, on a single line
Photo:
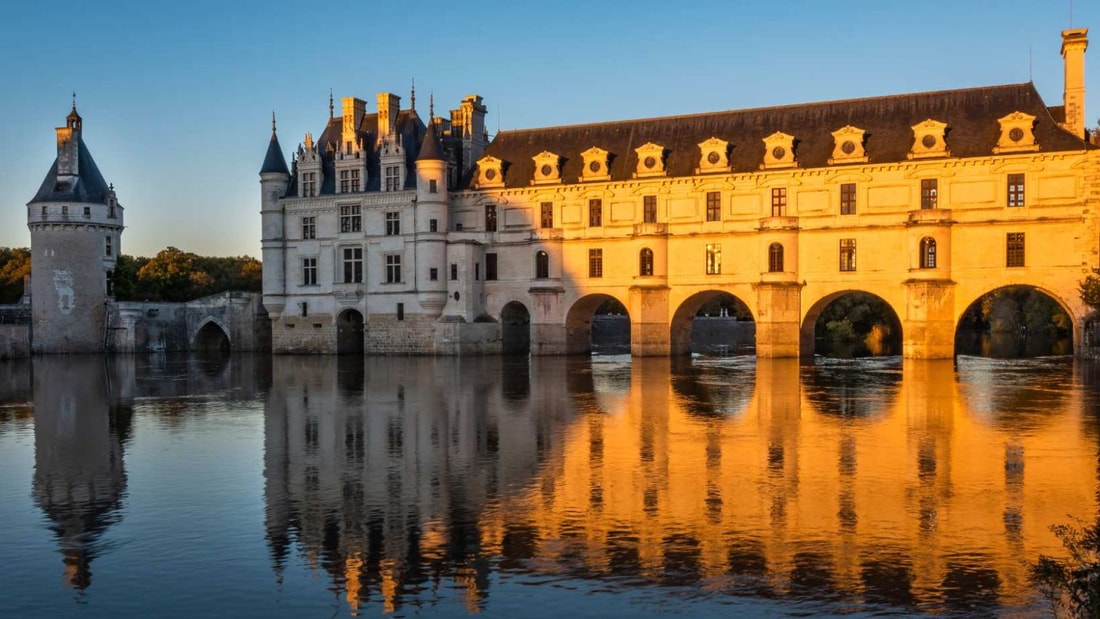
[(312, 487)]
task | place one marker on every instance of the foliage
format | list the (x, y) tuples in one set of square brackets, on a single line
[(1017, 309), (1072, 585), (1089, 289), (176, 275), (15, 264), (854, 316)]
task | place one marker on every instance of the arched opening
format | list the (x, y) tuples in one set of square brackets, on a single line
[(542, 265), (852, 324), (515, 329), (1014, 322), (713, 323), (349, 333), (928, 253), (775, 258), (598, 324), (211, 338), (645, 262)]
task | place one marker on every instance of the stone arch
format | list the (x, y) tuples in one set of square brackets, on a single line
[(515, 329), (349, 332), (681, 329), (1071, 325), (807, 337), (211, 336), (579, 318)]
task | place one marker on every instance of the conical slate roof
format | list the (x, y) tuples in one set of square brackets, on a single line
[(90, 188), (274, 161), (430, 149)]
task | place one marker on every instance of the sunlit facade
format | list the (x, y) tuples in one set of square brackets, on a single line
[(462, 245)]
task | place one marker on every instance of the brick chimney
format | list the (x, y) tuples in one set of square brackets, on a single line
[(1074, 43)]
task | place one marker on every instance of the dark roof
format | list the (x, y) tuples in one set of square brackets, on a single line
[(90, 186), (430, 148), (971, 116), (274, 160)]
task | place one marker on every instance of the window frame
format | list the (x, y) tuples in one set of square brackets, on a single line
[(645, 262), (1015, 248), (490, 218), (1016, 190), (847, 198), (393, 223), (595, 213), (491, 270), (649, 209), (775, 258), (779, 201), (928, 253), (542, 264), (309, 227), (847, 255), (929, 193), (309, 271), (392, 178), (393, 269), (714, 259), (714, 206), (595, 262), (546, 215), (352, 262), (351, 218)]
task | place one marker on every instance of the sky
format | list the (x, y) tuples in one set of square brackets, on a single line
[(177, 97)]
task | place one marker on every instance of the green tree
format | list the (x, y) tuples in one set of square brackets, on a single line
[(15, 264), (1089, 289)]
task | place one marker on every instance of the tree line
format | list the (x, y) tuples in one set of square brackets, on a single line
[(171, 275)]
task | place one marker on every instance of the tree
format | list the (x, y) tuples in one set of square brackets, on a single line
[(1072, 585), (15, 264), (1089, 289)]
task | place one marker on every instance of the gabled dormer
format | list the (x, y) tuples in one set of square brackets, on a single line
[(848, 146), (779, 152), (713, 156), (490, 172), (391, 155), (651, 160), (547, 168), (1017, 134), (350, 158), (597, 165), (310, 168), (929, 140)]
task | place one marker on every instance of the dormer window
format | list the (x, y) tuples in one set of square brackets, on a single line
[(547, 168), (651, 160), (596, 165), (778, 151), (1017, 134), (490, 172), (929, 140), (848, 146), (713, 156)]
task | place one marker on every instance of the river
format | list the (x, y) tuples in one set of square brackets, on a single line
[(177, 486)]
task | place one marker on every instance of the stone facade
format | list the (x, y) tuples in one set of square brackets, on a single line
[(926, 200)]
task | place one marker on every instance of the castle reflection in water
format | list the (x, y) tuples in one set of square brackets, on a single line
[(913, 485)]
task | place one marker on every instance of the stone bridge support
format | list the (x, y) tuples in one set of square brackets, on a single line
[(778, 319), (548, 333), (649, 321), (928, 325)]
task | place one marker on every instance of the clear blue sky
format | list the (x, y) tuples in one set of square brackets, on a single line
[(177, 97)]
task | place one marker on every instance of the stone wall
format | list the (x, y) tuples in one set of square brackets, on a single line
[(154, 327), (303, 335), (15, 331)]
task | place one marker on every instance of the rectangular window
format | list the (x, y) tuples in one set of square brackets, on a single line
[(355, 180), (714, 258), (847, 254), (309, 271), (87, 211), (454, 272), (1014, 249), (433, 274), (393, 223), (848, 199), (595, 263), (110, 211), (779, 202), (393, 178), (401, 311), (109, 248), (714, 206), (433, 225), (353, 265), (490, 218), (345, 181), (649, 209), (477, 271), (1015, 189), (595, 213), (44, 211), (929, 193), (393, 269), (490, 267), (351, 218), (432, 187), (64, 211), (309, 227), (309, 184), (547, 214)]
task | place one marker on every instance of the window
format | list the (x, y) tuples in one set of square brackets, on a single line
[(848, 199), (345, 181), (490, 267), (714, 206), (355, 180), (393, 269), (309, 227), (393, 178), (433, 225), (433, 274), (929, 193), (351, 219), (595, 213), (779, 202), (542, 265), (432, 186), (309, 271), (645, 262), (401, 311), (109, 247), (353, 265), (477, 271), (547, 214), (1014, 249), (1015, 189), (43, 211), (393, 223), (65, 211), (309, 184), (454, 272), (595, 263), (87, 211), (490, 218), (775, 258), (847, 254), (714, 258), (649, 209), (110, 210), (928, 253)]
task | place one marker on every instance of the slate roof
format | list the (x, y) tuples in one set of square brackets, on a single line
[(90, 188), (430, 149), (274, 160), (971, 116)]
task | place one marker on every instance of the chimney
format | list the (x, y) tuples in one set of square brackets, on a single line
[(68, 149), (1074, 43), (354, 109), (389, 106), (468, 121)]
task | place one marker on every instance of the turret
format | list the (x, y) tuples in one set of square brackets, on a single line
[(432, 221), (1074, 44), (274, 179)]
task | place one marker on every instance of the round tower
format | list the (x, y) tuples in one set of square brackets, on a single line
[(76, 227), (274, 180), (431, 222)]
